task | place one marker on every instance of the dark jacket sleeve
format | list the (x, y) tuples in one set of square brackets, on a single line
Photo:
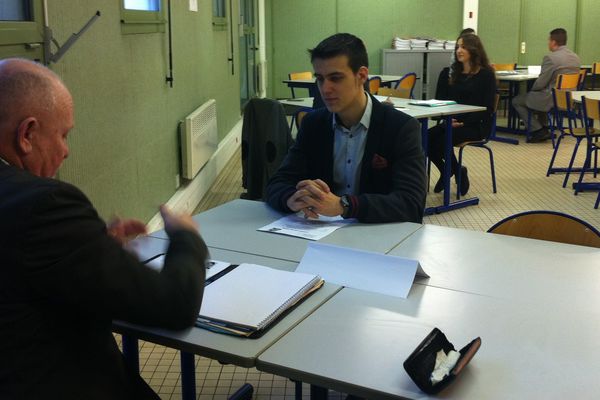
[(405, 201), (71, 262), (292, 170)]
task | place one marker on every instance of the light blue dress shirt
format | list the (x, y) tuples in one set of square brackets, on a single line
[(348, 150)]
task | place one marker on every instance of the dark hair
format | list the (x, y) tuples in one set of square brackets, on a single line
[(467, 30), (478, 60), (342, 44), (559, 35)]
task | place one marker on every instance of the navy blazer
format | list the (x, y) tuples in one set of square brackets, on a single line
[(63, 280), (392, 184)]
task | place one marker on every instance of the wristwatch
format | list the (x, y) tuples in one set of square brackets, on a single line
[(345, 202)]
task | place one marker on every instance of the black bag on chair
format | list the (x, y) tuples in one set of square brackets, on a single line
[(266, 138)]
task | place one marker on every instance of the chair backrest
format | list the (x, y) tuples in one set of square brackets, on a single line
[(582, 74), (567, 81), (301, 76), (549, 225), (408, 81), (591, 109), (596, 68), (401, 93), (374, 84), (300, 114), (562, 99), (505, 67)]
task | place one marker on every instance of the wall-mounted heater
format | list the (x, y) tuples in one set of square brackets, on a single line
[(198, 138)]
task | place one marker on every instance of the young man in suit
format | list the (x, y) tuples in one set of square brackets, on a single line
[(356, 158), (64, 276), (560, 60)]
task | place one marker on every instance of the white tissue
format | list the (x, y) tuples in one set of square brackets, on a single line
[(443, 364)]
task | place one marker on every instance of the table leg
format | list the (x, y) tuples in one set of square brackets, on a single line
[(188, 376), (318, 393), (130, 352), (447, 206)]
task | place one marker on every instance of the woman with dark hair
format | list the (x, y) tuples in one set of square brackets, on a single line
[(470, 80)]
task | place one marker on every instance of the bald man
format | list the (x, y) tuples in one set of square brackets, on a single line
[(64, 276)]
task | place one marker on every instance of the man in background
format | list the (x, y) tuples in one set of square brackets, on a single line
[(356, 158), (560, 60), (64, 277)]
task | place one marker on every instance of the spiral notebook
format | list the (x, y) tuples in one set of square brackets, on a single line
[(249, 297)]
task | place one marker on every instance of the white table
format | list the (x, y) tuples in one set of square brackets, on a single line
[(311, 84), (589, 94), (507, 267), (422, 113), (224, 348), (357, 341), (233, 226), (513, 90)]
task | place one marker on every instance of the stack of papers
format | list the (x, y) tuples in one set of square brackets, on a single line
[(450, 44), (432, 102), (509, 72), (436, 44), (400, 44), (418, 43), (248, 298)]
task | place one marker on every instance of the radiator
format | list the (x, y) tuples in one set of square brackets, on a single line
[(198, 138)]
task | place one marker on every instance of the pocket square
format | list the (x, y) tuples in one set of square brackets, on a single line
[(379, 162)]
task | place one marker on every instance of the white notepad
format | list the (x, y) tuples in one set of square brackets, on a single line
[(252, 296)]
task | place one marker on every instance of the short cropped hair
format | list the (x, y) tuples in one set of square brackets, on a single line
[(342, 44), (559, 35), (25, 90)]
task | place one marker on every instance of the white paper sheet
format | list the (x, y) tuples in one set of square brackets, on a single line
[(312, 229), (359, 269)]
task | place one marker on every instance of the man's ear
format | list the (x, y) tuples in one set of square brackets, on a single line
[(26, 132), (363, 74)]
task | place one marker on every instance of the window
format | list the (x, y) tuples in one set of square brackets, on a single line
[(219, 15), (142, 16), (142, 5), (21, 27), (15, 10)]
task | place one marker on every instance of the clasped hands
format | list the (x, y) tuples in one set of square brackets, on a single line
[(314, 197)]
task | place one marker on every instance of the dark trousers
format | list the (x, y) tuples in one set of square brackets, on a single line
[(437, 144)]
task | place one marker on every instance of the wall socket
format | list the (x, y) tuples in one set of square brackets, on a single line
[(523, 47), (177, 181)]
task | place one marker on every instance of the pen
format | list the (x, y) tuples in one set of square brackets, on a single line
[(153, 258)]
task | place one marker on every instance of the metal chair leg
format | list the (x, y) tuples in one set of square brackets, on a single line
[(570, 167), (554, 155), (243, 393), (458, 173), (493, 169)]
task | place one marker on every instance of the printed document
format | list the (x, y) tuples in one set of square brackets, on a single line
[(307, 228)]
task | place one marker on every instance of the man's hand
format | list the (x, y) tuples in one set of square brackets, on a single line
[(124, 230), (314, 197), (305, 189), (177, 222), (456, 124)]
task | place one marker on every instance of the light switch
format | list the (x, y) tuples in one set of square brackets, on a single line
[(194, 5)]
